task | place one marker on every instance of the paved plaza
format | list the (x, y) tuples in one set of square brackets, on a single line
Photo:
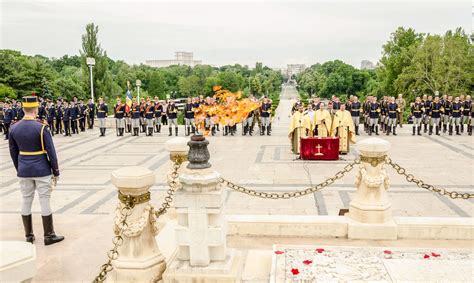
[(84, 199)]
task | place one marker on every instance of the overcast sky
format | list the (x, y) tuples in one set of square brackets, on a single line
[(219, 33)]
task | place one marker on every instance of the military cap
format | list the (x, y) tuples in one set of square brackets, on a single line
[(30, 101)]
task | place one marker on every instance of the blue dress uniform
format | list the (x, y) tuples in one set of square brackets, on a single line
[(74, 117), (82, 116), (59, 118), (172, 113), (119, 113), (426, 117), (374, 115), (66, 114), (7, 120), (34, 156), (446, 115), (355, 109), (466, 112), (392, 110), (265, 110), (90, 114), (51, 116), (417, 110), (150, 117), (189, 119), (158, 114), (435, 116), (456, 110), (135, 113), (102, 110)]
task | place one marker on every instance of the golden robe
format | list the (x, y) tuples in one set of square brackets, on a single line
[(300, 125), (322, 122), (343, 127)]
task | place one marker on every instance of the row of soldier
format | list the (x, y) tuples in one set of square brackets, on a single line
[(146, 116), (430, 115)]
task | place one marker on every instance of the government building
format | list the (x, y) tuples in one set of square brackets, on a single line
[(181, 58)]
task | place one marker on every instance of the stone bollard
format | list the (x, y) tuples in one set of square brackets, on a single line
[(370, 215), (202, 254), (140, 259)]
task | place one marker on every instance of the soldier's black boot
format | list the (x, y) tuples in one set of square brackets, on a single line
[(431, 130), (159, 128), (262, 131), (419, 130), (49, 236), (226, 132), (414, 129), (425, 126), (444, 128), (151, 131), (28, 225), (244, 131), (357, 130), (376, 130), (462, 127), (268, 130), (231, 130), (371, 129), (437, 130), (450, 130), (394, 130), (171, 132), (129, 128), (218, 129), (388, 131), (213, 130), (457, 130), (175, 131), (470, 130)]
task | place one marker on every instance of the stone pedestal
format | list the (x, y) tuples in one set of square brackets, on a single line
[(139, 259), (17, 261), (370, 215), (202, 254)]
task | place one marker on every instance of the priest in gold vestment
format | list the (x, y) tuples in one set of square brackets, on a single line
[(322, 122), (300, 126), (343, 127)]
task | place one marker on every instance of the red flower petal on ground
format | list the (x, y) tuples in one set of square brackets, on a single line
[(426, 256), (307, 262), (435, 254), (387, 252), (279, 252), (295, 271), (320, 250)]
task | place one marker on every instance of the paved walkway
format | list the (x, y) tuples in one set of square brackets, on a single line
[(84, 199)]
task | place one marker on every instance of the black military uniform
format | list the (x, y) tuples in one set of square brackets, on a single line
[(354, 108), (417, 110), (82, 116), (66, 115), (90, 114), (59, 118), (51, 116)]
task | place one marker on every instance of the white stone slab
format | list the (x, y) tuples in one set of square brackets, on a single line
[(404, 270), (17, 261)]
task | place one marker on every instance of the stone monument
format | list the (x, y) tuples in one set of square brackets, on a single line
[(202, 254)]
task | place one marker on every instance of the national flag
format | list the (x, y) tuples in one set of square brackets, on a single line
[(128, 101)]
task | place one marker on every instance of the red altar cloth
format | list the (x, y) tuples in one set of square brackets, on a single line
[(319, 148)]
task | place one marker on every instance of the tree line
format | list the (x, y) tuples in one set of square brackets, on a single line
[(413, 64), (68, 76)]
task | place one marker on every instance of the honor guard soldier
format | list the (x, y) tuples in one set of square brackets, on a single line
[(196, 103), (34, 156), (355, 108), (189, 117), (384, 114), (59, 117), (427, 109), (265, 111), (142, 115), (149, 117), (41, 109), (446, 113), (102, 110), (82, 116), (392, 113), (158, 112), (247, 124), (66, 119), (74, 116), (51, 116), (128, 121), (435, 115), (7, 118), (374, 116), (172, 113), (119, 112), (466, 112), (135, 115), (471, 125), (90, 113), (417, 110), (456, 110)]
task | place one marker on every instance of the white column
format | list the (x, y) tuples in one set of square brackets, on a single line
[(140, 259), (370, 215)]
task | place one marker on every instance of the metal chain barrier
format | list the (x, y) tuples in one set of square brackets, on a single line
[(113, 254), (295, 194), (411, 178), (173, 186)]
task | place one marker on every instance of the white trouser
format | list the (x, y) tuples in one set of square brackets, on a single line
[(136, 123), (374, 121), (356, 120), (120, 123), (173, 121), (101, 122), (189, 122), (149, 122), (265, 121), (28, 186), (455, 121), (248, 122), (417, 121), (392, 121), (157, 120)]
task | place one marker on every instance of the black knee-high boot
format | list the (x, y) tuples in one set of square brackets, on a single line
[(394, 130), (414, 130), (357, 130), (176, 131), (159, 128), (171, 132), (377, 130), (268, 130), (28, 225), (457, 130), (50, 236), (419, 130), (431, 130), (450, 130)]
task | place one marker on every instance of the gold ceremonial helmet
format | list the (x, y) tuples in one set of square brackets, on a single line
[(30, 101)]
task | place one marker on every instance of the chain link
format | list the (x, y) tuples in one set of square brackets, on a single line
[(113, 254), (173, 186), (411, 178), (295, 194)]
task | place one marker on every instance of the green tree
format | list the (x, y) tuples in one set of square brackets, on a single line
[(7, 92)]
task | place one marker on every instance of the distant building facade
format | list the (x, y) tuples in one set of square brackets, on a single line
[(294, 69), (367, 65), (181, 58)]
